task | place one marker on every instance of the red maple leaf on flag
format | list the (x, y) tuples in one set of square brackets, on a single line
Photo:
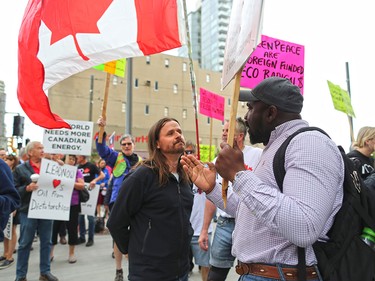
[(70, 17)]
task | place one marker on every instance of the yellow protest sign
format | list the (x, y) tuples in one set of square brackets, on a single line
[(341, 99)]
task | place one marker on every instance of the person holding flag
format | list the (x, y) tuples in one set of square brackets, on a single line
[(121, 163)]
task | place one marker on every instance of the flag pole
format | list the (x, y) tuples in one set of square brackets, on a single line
[(104, 108), (232, 126), (192, 78)]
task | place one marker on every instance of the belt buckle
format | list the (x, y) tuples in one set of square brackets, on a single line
[(242, 269)]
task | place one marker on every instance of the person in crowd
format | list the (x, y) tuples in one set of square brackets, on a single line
[(222, 259), (150, 220), (9, 201), (271, 224), (23, 157), (10, 244), (201, 256), (72, 223), (91, 174), (103, 186), (29, 226), (364, 146), (121, 163), (3, 154)]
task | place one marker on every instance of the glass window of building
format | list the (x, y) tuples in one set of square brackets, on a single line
[(166, 62), (123, 107), (136, 83), (156, 86), (184, 66), (184, 113), (208, 78), (148, 59), (229, 101), (175, 88), (166, 111), (147, 109)]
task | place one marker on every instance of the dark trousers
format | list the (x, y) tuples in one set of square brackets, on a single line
[(72, 226)]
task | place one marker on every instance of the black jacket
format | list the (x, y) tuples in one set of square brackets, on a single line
[(151, 223), (21, 176)]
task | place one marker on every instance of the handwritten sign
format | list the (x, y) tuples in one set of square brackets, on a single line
[(52, 199), (89, 207), (211, 105), (205, 152), (8, 228), (274, 57), (243, 34), (77, 141), (341, 99)]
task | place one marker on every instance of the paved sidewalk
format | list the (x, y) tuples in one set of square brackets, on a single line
[(93, 263)]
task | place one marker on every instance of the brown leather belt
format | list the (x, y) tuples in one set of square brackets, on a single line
[(270, 271)]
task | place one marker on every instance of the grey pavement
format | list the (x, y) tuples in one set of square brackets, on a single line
[(93, 263)]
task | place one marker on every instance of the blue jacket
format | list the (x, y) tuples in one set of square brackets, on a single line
[(110, 156), (9, 197)]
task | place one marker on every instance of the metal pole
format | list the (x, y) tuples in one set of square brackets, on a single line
[(350, 118), (129, 94), (91, 96), (192, 78)]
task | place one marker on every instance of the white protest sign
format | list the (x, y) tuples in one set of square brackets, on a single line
[(243, 34), (89, 207), (8, 229), (52, 198), (77, 141)]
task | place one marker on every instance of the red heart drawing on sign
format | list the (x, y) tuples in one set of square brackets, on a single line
[(56, 183)]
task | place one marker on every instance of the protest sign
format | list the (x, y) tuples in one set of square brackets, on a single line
[(341, 99), (206, 156), (77, 141), (243, 34), (274, 57), (211, 105), (52, 198), (89, 207)]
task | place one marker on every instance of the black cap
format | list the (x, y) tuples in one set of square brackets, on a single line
[(276, 91)]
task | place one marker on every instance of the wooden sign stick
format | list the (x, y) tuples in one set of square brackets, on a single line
[(104, 107)]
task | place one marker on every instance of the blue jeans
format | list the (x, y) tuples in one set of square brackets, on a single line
[(250, 277), (221, 248), (28, 228), (82, 227)]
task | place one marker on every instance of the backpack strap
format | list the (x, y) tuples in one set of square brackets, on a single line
[(279, 159), (279, 172)]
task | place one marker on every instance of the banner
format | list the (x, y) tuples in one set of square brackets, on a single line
[(211, 105), (52, 199), (274, 57), (77, 141)]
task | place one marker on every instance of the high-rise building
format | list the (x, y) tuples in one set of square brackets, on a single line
[(194, 21), (3, 139), (208, 27)]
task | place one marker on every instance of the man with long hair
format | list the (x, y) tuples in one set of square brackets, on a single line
[(150, 218)]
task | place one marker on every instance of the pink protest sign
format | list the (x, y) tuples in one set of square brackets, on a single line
[(211, 105), (274, 57)]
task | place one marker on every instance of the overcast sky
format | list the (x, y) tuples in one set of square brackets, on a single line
[(333, 32)]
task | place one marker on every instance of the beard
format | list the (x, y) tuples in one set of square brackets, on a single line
[(260, 135)]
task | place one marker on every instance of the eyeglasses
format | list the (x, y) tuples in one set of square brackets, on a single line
[(126, 143), (189, 152)]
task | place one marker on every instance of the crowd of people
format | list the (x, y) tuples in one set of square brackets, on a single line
[(159, 210)]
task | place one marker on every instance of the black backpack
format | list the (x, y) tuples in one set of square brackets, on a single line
[(345, 257)]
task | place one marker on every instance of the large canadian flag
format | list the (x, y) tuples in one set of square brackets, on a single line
[(60, 38)]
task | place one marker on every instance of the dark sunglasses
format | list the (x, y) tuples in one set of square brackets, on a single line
[(126, 143)]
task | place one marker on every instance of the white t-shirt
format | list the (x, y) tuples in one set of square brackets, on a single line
[(251, 156), (197, 213)]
